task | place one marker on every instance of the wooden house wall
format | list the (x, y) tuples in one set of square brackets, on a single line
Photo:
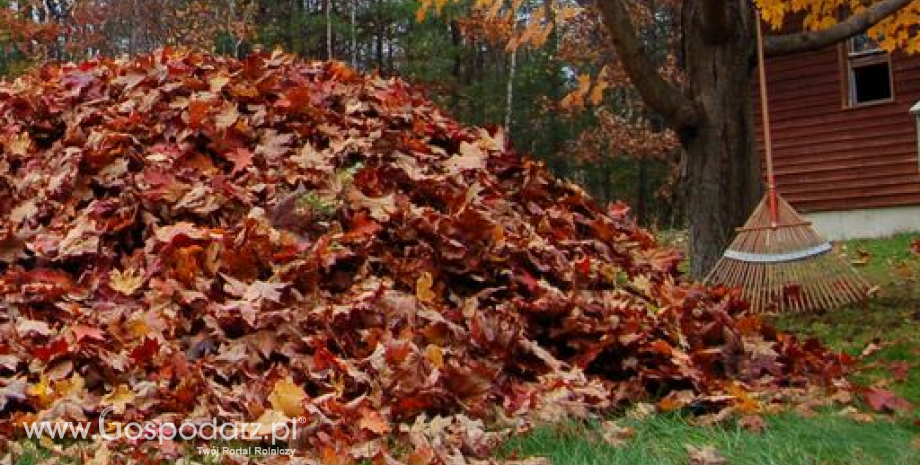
[(831, 157)]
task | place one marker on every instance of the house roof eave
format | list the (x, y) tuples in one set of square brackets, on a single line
[(915, 110)]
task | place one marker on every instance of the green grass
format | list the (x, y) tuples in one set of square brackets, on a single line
[(787, 440), (884, 256), (892, 319)]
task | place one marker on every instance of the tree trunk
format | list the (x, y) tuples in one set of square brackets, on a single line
[(723, 167), (379, 27), (642, 191), (354, 35), (509, 91), (328, 11)]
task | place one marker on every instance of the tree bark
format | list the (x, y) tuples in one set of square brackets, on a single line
[(723, 170), (712, 115)]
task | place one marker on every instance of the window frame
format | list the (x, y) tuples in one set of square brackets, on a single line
[(852, 60)]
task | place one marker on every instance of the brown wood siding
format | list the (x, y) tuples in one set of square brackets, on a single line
[(829, 157)]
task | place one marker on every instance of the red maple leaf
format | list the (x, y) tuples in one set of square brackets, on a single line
[(883, 400)]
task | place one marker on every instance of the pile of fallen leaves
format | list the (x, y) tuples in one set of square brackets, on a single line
[(188, 237)]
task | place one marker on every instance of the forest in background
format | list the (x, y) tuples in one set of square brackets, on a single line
[(558, 92)]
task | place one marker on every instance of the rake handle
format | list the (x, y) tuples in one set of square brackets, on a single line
[(765, 116)]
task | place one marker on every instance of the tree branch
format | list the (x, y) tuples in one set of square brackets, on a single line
[(659, 94), (816, 40)]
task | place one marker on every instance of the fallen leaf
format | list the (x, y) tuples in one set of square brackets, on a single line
[(883, 400), (217, 83), (119, 398), (126, 282), (33, 327), (241, 159), (900, 369), (614, 434), (19, 144), (705, 455), (380, 208), (641, 411), (470, 158), (854, 414), (423, 291), (862, 257), (874, 346), (226, 117), (373, 421), (287, 397), (12, 390), (753, 423)]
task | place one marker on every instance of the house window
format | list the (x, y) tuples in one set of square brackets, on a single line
[(868, 72)]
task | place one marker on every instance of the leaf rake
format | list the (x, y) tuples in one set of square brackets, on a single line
[(777, 259)]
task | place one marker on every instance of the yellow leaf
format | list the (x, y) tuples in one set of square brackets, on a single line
[(126, 282), (642, 283), (423, 288), (573, 100), (73, 387), (745, 403), (568, 12), (119, 398), (498, 236), (287, 397), (600, 85), (422, 10), (584, 83), (42, 392), (217, 83), (19, 144), (435, 355)]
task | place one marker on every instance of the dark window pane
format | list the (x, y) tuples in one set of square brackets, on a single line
[(871, 83)]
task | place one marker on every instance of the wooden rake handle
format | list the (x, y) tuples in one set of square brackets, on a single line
[(765, 116)]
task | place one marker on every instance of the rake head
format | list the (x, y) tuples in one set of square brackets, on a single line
[(784, 265)]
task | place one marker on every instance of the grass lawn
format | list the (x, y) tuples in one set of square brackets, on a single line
[(891, 319), (788, 439)]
